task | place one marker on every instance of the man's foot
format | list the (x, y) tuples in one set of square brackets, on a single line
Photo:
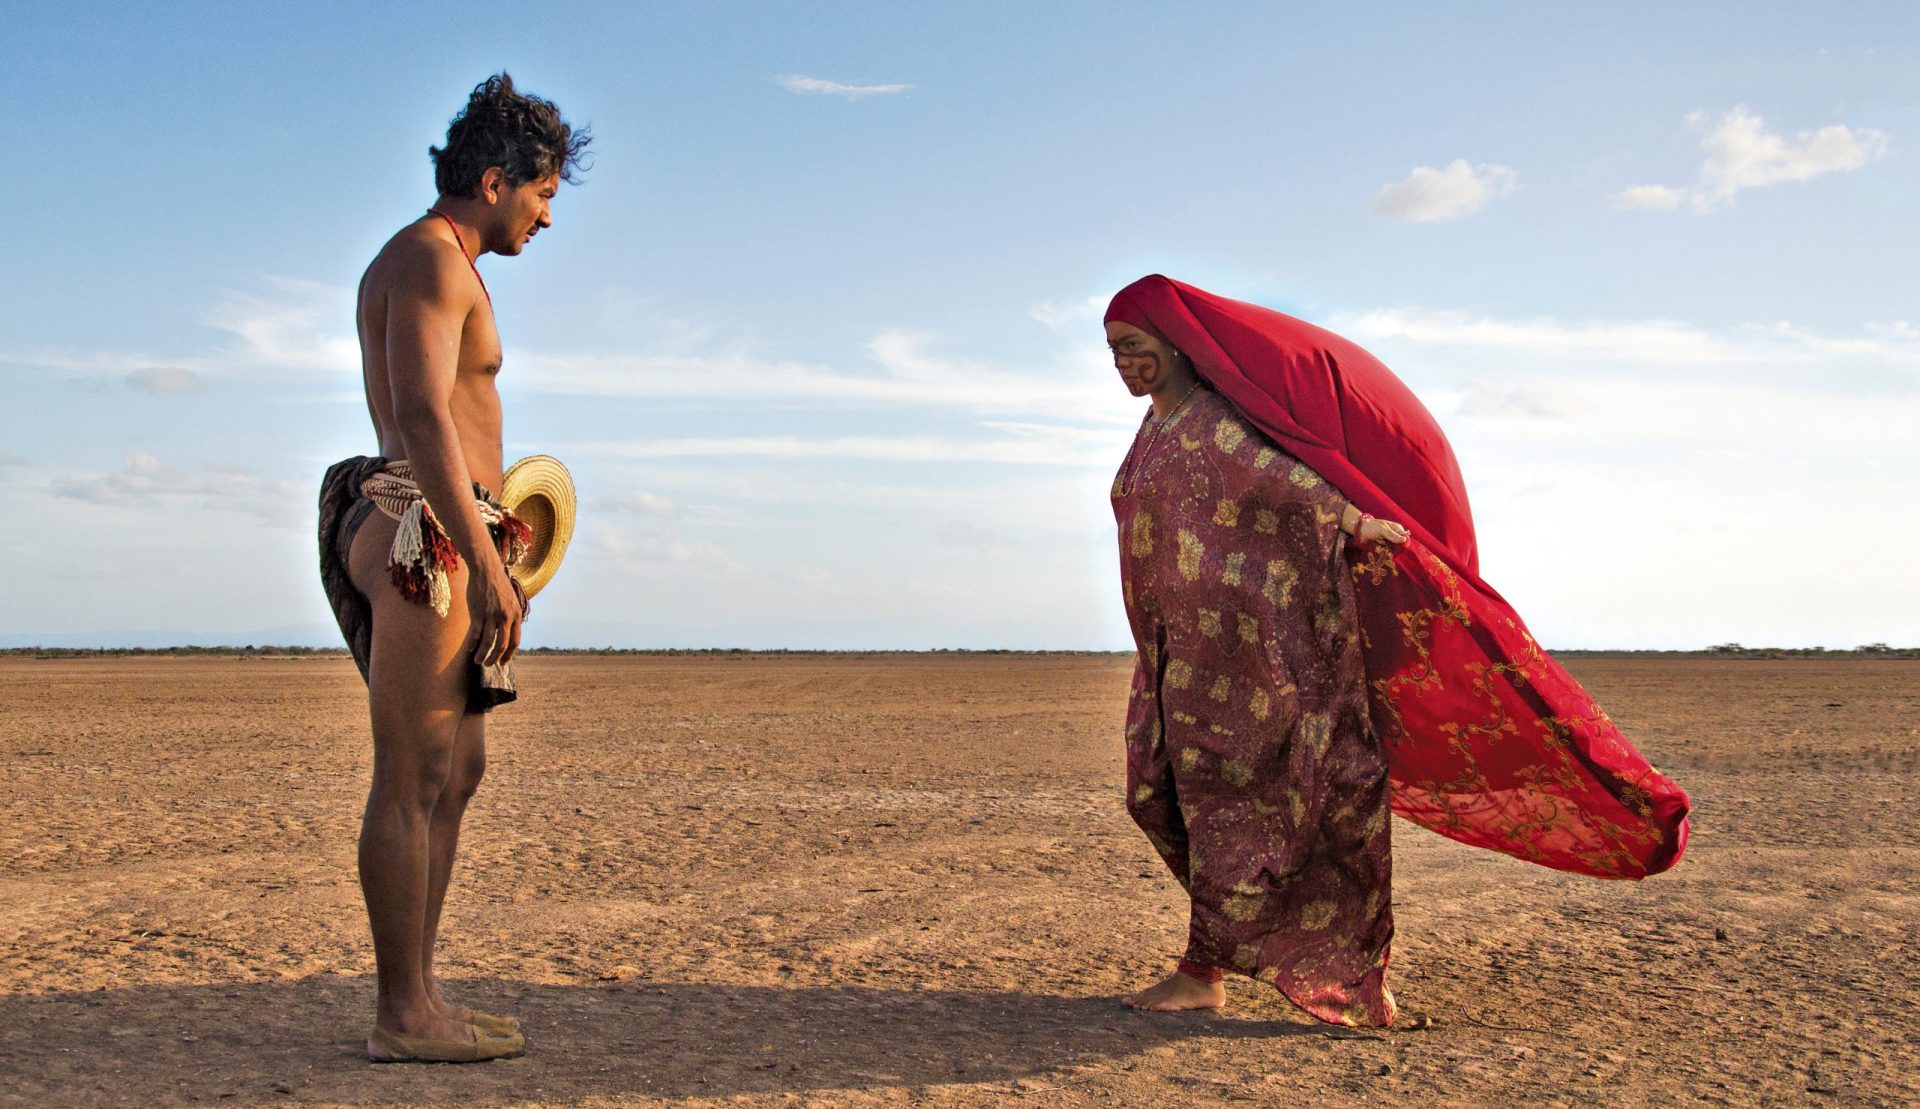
[(440, 1040), (475, 1047), (497, 1024), (1176, 993), (493, 1024)]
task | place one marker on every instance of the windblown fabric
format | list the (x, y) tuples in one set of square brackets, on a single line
[(1250, 762), (347, 496), (1488, 739)]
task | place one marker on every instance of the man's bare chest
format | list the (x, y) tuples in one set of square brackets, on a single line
[(480, 350)]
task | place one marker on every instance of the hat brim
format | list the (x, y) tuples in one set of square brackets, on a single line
[(539, 490)]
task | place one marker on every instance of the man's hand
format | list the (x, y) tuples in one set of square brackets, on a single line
[(520, 591), (493, 600)]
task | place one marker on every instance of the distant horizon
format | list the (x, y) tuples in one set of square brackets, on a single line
[(241, 645)]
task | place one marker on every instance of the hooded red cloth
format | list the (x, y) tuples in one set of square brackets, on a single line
[(1489, 740)]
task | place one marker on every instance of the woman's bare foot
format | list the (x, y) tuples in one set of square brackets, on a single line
[(1177, 993)]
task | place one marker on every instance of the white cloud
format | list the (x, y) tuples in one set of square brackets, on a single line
[(1743, 154), (283, 328), (1772, 425), (813, 85), (1697, 513), (755, 488), (904, 370), (291, 331), (652, 551), (1430, 195), (163, 380), (1668, 341), (1528, 401), (1021, 444), (1644, 345), (1652, 198), (1074, 319), (294, 325), (95, 366), (144, 481), (639, 503), (1643, 481)]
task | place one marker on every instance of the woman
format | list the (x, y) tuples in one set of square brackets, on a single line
[(1315, 648)]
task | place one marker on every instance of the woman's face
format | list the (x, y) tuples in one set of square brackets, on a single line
[(1145, 361)]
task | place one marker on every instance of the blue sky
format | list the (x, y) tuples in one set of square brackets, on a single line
[(819, 336)]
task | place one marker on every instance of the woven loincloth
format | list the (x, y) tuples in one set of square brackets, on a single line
[(420, 561)]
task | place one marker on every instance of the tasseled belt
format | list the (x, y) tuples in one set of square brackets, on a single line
[(422, 553)]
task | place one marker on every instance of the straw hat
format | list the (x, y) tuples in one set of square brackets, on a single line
[(539, 490)]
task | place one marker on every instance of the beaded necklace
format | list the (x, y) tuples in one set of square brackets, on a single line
[(462, 244), (1137, 454)]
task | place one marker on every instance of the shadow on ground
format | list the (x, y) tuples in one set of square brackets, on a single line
[(301, 1040)]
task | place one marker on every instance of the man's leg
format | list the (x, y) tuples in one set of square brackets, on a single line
[(468, 766), (417, 692)]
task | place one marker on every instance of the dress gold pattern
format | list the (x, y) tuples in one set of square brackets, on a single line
[(1251, 763)]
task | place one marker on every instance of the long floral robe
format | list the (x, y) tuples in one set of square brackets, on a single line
[(1489, 741), (1251, 763)]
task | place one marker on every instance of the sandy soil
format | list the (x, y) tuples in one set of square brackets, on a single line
[(909, 880)]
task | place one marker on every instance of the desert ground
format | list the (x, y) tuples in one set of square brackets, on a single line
[(862, 880)]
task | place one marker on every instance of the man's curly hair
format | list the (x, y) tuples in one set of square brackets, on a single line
[(523, 135)]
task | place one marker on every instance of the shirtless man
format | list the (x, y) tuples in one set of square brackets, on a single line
[(435, 617)]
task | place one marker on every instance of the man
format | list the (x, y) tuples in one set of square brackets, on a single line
[(421, 586)]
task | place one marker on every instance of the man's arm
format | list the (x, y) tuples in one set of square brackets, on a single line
[(426, 314)]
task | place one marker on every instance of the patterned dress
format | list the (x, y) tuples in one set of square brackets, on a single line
[(1251, 763)]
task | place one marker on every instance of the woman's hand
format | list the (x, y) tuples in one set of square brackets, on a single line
[(1372, 529)]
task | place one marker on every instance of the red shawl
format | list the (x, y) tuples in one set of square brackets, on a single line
[(1489, 740)]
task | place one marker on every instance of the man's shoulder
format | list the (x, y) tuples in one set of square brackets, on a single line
[(417, 257)]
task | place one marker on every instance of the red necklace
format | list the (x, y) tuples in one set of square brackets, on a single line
[(462, 244)]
